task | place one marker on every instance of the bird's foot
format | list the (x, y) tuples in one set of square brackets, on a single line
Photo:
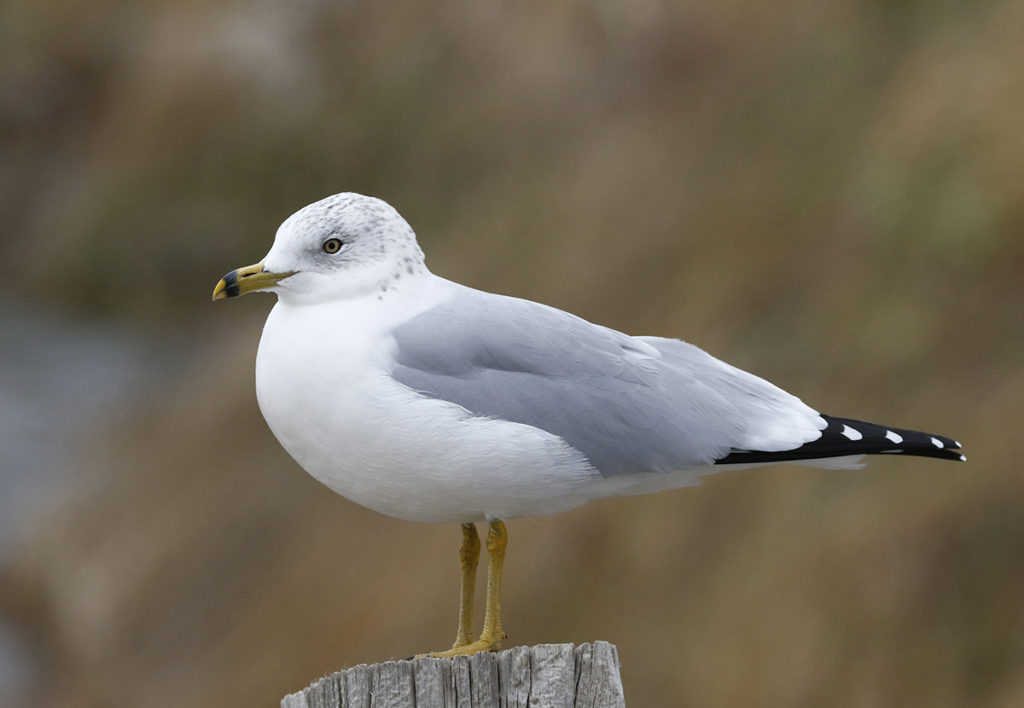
[(484, 643)]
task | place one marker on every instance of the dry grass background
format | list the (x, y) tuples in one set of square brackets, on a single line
[(828, 194)]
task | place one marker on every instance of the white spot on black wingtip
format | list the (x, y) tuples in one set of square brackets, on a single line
[(963, 458), (956, 443), (852, 433), (895, 438), (937, 443)]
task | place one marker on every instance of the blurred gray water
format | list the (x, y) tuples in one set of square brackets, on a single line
[(58, 375)]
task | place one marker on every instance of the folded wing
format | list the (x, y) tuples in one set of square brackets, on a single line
[(629, 404)]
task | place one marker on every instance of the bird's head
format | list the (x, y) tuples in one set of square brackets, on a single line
[(340, 247)]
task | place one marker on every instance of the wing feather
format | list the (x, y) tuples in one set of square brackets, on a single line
[(629, 404)]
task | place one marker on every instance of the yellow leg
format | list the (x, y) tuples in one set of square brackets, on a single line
[(469, 555), (492, 634), (497, 541)]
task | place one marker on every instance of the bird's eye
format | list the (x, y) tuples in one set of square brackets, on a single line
[(332, 245)]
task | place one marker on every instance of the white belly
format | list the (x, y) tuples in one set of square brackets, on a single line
[(336, 410)]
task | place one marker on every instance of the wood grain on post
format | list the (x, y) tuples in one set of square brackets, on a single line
[(545, 675)]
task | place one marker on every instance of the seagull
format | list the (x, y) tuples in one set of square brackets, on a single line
[(430, 401)]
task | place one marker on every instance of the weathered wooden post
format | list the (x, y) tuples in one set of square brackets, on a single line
[(545, 676)]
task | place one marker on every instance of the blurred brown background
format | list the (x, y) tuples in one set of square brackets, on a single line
[(828, 194)]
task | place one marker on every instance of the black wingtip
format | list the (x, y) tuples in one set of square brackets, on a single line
[(846, 436)]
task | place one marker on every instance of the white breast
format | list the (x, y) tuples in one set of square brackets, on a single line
[(323, 384)]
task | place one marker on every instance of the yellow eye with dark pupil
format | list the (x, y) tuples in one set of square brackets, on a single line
[(332, 245)]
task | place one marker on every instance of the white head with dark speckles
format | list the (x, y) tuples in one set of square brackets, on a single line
[(344, 246)]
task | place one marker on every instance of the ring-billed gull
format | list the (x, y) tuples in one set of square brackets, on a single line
[(430, 401)]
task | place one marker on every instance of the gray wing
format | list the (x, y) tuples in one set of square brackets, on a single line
[(629, 404)]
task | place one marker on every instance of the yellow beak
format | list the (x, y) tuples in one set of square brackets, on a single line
[(247, 280)]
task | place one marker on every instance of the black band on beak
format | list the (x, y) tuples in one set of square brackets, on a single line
[(231, 288)]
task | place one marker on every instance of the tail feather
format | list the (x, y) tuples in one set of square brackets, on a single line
[(846, 436)]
